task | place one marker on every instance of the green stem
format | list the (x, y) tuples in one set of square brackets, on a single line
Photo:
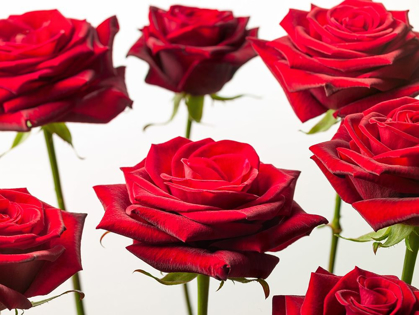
[(336, 230), (188, 128), (187, 299), (410, 258), (203, 290), (58, 191), (185, 285)]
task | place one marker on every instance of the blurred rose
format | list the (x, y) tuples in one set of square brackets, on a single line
[(193, 50), (39, 247)]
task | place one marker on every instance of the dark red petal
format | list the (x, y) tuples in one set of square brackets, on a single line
[(11, 299), (220, 264), (68, 263), (383, 212), (304, 104), (115, 200), (287, 305), (278, 237), (187, 230)]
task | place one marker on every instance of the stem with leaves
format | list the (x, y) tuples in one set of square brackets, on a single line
[(59, 193), (410, 257), (336, 230), (203, 293)]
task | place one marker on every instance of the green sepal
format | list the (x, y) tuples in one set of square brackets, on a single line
[(172, 278), (19, 139), (221, 285), (195, 104), (324, 124), (216, 97), (372, 236), (262, 282), (35, 304), (62, 131), (398, 233), (177, 99)]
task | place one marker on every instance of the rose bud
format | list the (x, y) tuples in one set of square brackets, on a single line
[(39, 247), (207, 207), (57, 69), (347, 58)]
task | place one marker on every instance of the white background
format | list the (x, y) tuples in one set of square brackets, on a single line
[(268, 124)]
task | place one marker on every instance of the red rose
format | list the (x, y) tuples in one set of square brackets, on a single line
[(55, 69), (359, 292), (206, 207), (39, 247), (193, 50), (372, 162), (347, 58)]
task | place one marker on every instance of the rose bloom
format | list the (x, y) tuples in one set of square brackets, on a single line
[(372, 162), (207, 207), (56, 69), (193, 50), (359, 292), (346, 58), (39, 247)]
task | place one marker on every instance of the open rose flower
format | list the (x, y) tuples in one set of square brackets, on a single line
[(193, 50), (207, 207), (373, 162), (56, 69), (359, 292), (346, 58), (39, 247)]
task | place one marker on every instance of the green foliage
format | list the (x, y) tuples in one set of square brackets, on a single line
[(172, 278), (386, 237), (324, 124)]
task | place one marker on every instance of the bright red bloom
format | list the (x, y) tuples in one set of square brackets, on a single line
[(193, 50), (206, 207), (39, 247), (359, 292), (56, 69), (349, 57), (372, 162)]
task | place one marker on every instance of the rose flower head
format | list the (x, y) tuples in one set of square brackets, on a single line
[(57, 69), (207, 207), (192, 50), (373, 162), (359, 292), (39, 247), (347, 58)]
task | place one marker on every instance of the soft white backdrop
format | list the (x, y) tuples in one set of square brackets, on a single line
[(268, 124)]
